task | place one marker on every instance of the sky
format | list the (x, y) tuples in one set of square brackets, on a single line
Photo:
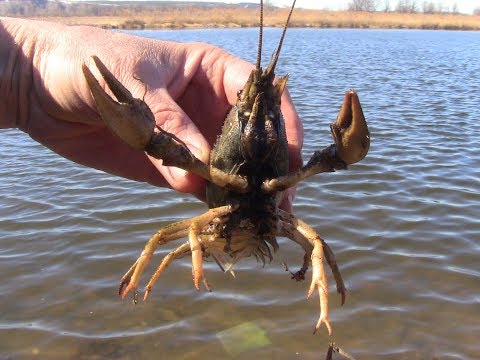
[(464, 6)]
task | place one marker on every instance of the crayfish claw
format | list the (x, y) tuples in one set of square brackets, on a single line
[(129, 118), (350, 130), (120, 288), (128, 289), (344, 297), (327, 325), (120, 91), (147, 293)]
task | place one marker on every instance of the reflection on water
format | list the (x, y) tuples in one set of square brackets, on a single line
[(403, 223)]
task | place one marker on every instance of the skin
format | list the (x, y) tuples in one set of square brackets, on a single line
[(189, 87)]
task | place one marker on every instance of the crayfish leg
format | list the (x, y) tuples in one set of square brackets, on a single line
[(315, 250), (168, 233), (197, 255), (178, 253), (313, 237)]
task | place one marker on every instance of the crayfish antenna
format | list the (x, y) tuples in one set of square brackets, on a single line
[(260, 38), (271, 67)]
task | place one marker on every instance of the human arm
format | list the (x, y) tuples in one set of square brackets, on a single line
[(190, 88)]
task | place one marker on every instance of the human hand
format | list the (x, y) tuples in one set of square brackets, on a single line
[(190, 88)]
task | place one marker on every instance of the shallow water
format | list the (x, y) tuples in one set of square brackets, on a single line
[(403, 223)]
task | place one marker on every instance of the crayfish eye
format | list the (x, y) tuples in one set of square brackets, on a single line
[(239, 92)]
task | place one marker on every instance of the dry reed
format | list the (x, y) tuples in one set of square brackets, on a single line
[(196, 17)]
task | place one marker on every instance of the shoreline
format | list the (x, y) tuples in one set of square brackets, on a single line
[(197, 18)]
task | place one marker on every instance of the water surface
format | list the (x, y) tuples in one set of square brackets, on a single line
[(404, 223)]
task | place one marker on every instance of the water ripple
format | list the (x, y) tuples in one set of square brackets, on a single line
[(403, 223)]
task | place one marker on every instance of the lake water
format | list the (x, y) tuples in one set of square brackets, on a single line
[(404, 223)]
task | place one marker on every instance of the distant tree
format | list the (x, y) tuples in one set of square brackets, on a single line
[(362, 5), (406, 6), (39, 3), (62, 7), (476, 11), (386, 6), (268, 4), (455, 8), (440, 8), (428, 7)]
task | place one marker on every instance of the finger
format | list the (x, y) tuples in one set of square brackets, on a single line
[(235, 76), (171, 118), (294, 130)]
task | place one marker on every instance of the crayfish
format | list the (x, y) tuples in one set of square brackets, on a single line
[(246, 175)]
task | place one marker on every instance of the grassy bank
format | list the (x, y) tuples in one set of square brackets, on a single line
[(195, 17)]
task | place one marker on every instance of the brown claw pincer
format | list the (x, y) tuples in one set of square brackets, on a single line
[(246, 175)]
